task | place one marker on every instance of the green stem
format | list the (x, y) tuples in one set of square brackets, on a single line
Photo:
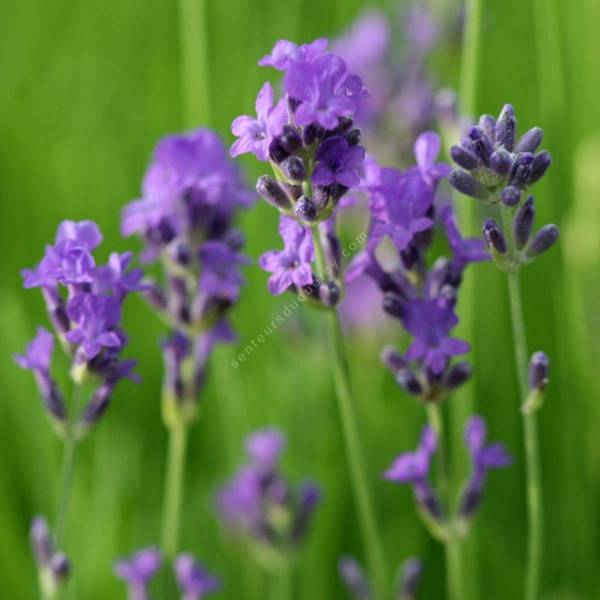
[(280, 583), (68, 470), (530, 432), (173, 489), (452, 547), (346, 403), (471, 56), (192, 24)]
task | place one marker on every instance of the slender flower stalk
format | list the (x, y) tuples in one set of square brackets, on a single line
[(499, 169)]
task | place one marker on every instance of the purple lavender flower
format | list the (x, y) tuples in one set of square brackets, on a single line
[(37, 359), (137, 572), (84, 304), (221, 277), (411, 574), (194, 580), (285, 53), (354, 578), (259, 504), (256, 135), (338, 163), (484, 458), (292, 265), (494, 167), (53, 566), (413, 468)]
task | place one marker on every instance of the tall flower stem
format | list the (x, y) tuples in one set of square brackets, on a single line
[(173, 489), (454, 573), (346, 403), (280, 583), (530, 430)]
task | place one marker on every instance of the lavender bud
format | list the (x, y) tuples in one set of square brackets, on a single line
[(521, 171), (293, 168), (539, 166), (312, 133), (408, 381), (321, 196), (463, 158), (276, 152), (290, 139), (523, 223), (428, 500), (487, 124), (511, 196), (543, 240), (410, 580), (181, 254), (329, 293), (501, 162), (494, 237), (293, 191), (392, 359), (530, 141), (467, 184), (155, 296), (457, 375), (480, 145), (344, 125), (353, 137), (393, 304), (98, 404), (506, 128), (272, 192), (60, 567), (471, 499), (306, 209), (354, 578), (41, 541), (538, 371)]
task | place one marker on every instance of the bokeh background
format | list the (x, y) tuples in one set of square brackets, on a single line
[(87, 89)]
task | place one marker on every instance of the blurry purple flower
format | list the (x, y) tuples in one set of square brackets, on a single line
[(53, 565), (430, 321), (426, 150), (138, 570), (114, 278), (221, 277), (318, 86), (338, 162), (255, 135), (95, 319), (264, 448), (285, 53), (292, 265), (354, 578), (194, 580), (484, 458), (421, 29)]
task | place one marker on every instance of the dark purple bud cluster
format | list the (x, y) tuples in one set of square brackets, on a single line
[(407, 582), (84, 302), (309, 138), (420, 292), (414, 468), (539, 373), (494, 165), (260, 505), (192, 193), (53, 566), (516, 247), (137, 571)]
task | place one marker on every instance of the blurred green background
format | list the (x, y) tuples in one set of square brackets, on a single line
[(87, 89)]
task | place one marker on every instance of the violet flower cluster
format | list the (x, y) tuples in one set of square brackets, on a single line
[(191, 195), (138, 571), (259, 505), (408, 579), (84, 302), (53, 565), (418, 291), (391, 55), (414, 469), (308, 137), (499, 169)]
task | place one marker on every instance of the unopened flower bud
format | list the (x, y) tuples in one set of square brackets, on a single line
[(468, 185), (480, 145), (544, 239), (521, 171), (293, 168), (501, 162), (538, 371), (494, 237), (272, 192), (306, 209), (353, 137), (539, 166), (506, 128), (408, 381), (511, 195), (290, 139), (393, 304), (464, 158), (392, 359), (457, 375), (523, 223), (530, 141), (329, 293)]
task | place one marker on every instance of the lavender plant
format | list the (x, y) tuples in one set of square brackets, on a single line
[(138, 571), (191, 195), (309, 139), (260, 507), (84, 302), (408, 579), (500, 170)]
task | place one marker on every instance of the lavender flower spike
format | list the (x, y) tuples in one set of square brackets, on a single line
[(194, 580), (413, 468), (138, 571), (484, 458)]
